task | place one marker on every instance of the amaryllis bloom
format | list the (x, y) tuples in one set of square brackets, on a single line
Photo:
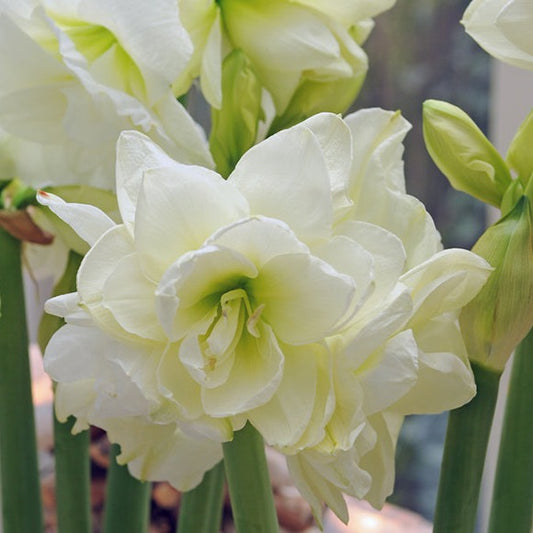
[(503, 29), (303, 51), (305, 294), (76, 74)]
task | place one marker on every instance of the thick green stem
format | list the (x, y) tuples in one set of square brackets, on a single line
[(21, 500), (249, 486), (464, 457), (73, 478), (512, 500), (127, 501), (201, 507), (71, 451)]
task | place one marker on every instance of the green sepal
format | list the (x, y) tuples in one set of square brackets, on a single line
[(463, 153), (520, 154), (500, 316), (234, 125), (511, 196)]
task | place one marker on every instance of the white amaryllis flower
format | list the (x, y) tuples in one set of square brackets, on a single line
[(289, 43), (303, 295), (503, 29), (76, 74)]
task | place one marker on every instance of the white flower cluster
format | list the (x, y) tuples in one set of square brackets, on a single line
[(306, 294)]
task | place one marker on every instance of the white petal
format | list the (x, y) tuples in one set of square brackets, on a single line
[(286, 177), (157, 452), (211, 67), (75, 353), (188, 142), (315, 488), (335, 139), (379, 462), (283, 420), (446, 282), (387, 252), (177, 385), (393, 376), (304, 297), (515, 21), (481, 20), (100, 261), (24, 63), (135, 154), (374, 325), (259, 239), (75, 399), (152, 35), (445, 379), (197, 363), (350, 258), (254, 378), (68, 307), (190, 290), (178, 209), (89, 222), (130, 296)]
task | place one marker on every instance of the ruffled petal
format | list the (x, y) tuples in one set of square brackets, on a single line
[(286, 177), (178, 208), (130, 296), (89, 222), (254, 378), (157, 452), (304, 297), (190, 290)]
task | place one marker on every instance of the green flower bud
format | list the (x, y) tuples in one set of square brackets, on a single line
[(463, 154), (520, 153), (234, 125), (500, 316)]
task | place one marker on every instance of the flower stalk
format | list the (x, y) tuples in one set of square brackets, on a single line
[(465, 447), (71, 451), (513, 487), (201, 507), (21, 503), (249, 482), (128, 499)]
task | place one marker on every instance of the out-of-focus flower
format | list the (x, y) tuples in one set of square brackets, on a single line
[(306, 294), (503, 29), (306, 53), (76, 74)]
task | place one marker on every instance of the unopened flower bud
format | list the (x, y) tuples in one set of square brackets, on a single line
[(463, 154), (234, 125)]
